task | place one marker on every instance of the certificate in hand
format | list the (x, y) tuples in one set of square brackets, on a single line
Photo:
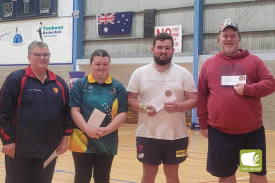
[(159, 101), (233, 80), (96, 118), (54, 154)]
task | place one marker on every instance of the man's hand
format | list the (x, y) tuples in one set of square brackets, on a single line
[(204, 132), (64, 145), (170, 106), (151, 110), (239, 88), (9, 149)]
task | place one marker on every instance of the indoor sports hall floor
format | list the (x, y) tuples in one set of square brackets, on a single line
[(127, 169)]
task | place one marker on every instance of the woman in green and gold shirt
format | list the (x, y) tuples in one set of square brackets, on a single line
[(94, 144)]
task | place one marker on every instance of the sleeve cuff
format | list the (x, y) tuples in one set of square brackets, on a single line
[(5, 142), (203, 126), (246, 90)]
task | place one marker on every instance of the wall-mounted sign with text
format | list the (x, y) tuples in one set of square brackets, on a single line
[(173, 30), (15, 38)]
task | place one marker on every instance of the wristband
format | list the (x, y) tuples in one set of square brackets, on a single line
[(142, 107)]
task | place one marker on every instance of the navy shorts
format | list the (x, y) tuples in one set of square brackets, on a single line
[(224, 150), (156, 151)]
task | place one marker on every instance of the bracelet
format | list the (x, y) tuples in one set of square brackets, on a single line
[(142, 107)]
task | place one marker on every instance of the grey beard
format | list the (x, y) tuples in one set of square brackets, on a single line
[(162, 62)]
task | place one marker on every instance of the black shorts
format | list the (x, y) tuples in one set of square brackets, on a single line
[(224, 150), (156, 151)]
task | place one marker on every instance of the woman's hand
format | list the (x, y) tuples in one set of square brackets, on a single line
[(104, 131), (93, 132)]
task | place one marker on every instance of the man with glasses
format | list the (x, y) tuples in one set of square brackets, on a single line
[(34, 119)]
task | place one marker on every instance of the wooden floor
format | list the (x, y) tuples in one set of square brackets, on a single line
[(127, 169)]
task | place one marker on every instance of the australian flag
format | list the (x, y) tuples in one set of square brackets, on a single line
[(114, 23)]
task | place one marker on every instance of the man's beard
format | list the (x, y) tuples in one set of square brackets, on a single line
[(160, 61)]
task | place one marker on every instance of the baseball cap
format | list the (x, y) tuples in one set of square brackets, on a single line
[(228, 23)]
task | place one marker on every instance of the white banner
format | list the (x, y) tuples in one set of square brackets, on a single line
[(15, 37), (173, 30)]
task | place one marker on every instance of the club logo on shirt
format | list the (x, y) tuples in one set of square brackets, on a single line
[(112, 90), (181, 153), (55, 90)]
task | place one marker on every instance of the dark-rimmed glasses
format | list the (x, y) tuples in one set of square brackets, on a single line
[(39, 55)]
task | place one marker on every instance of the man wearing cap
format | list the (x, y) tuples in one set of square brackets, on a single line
[(230, 87)]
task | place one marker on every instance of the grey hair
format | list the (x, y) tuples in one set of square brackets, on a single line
[(36, 43)]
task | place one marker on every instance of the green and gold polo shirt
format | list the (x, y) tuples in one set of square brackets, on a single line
[(110, 98)]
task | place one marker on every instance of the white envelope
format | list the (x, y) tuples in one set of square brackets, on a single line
[(233, 80), (53, 155), (159, 101), (96, 118)]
